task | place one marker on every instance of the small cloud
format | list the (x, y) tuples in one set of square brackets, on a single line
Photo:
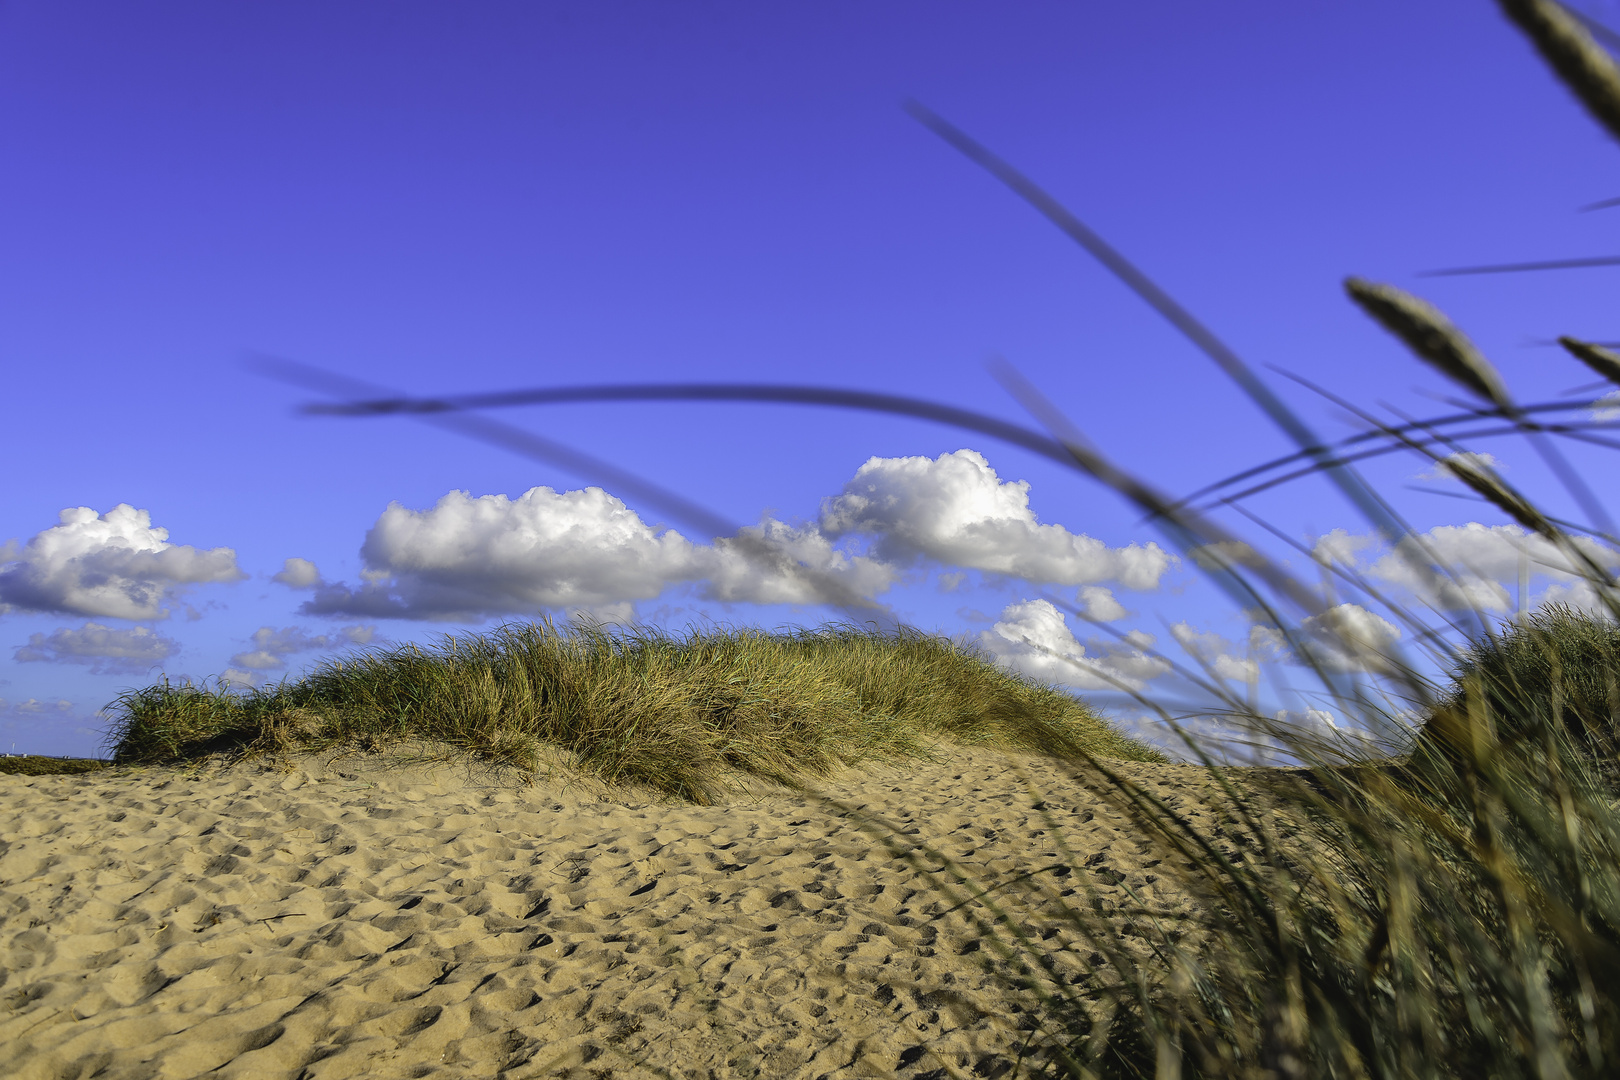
[(104, 649), (1442, 469), (1099, 603), (1349, 638), (271, 647), (1220, 657), (620, 614), (1229, 659), (298, 574), (33, 708), (1140, 638), (1032, 638), (949, 583)]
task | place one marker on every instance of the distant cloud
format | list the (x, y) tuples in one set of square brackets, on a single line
[(1099, 603), (103, 648), (468, 558), (1031, 637), (955, 510), (1481, 462), (298, 574), (271, 647), (1472, 566), (1348, 638), (33, 708), (114, 565), (1227, 659)]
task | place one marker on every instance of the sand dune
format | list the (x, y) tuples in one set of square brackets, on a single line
[(324, 918)]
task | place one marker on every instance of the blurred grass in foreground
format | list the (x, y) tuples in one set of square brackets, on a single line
[(678, 714), (1452, 914)]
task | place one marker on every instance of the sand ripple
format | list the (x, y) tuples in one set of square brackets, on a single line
[(334, 919)]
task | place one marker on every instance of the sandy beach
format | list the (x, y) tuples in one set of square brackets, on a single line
[(325, 917)]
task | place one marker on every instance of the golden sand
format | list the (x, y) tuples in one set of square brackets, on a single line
[(347, 917)]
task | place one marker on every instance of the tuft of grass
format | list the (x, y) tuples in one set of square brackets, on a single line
[(680, 714)]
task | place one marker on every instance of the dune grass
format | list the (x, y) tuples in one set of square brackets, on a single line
[(42, 765), (680, 714)]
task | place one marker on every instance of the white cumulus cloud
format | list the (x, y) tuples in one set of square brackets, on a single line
[(578, 551), (1348, 638), (955, 510), (298, 573), (1031, 637), (103, 648), (586, 552), (468, 557), (766, 564), (1226, 659), (1099, 603), (114, 565)]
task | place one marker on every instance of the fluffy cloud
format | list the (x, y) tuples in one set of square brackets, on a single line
[(1348, 638), (955, 510), (103, 648), (271, 647), (298, 574), (1032, 637), (767, 564), (1099, 603), (585, 551), (470, 557), (1227, 659), (112, 565), (1462, 567), (1479, 462)]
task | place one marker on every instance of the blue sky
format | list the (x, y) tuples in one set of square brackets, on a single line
[(444, 200)]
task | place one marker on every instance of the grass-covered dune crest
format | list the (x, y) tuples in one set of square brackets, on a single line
[(677, 713)]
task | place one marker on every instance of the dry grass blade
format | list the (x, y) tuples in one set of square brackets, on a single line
[(1168, 307), (1430, 335), (1588, 70), (1582, 263), (1603, 361)]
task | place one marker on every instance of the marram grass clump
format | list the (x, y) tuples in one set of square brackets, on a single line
[(1557, 672), (679, 714)]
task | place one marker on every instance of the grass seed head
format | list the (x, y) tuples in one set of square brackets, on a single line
[(1430, 335), (1586, 68), (1500, 495), (1603, 361)]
